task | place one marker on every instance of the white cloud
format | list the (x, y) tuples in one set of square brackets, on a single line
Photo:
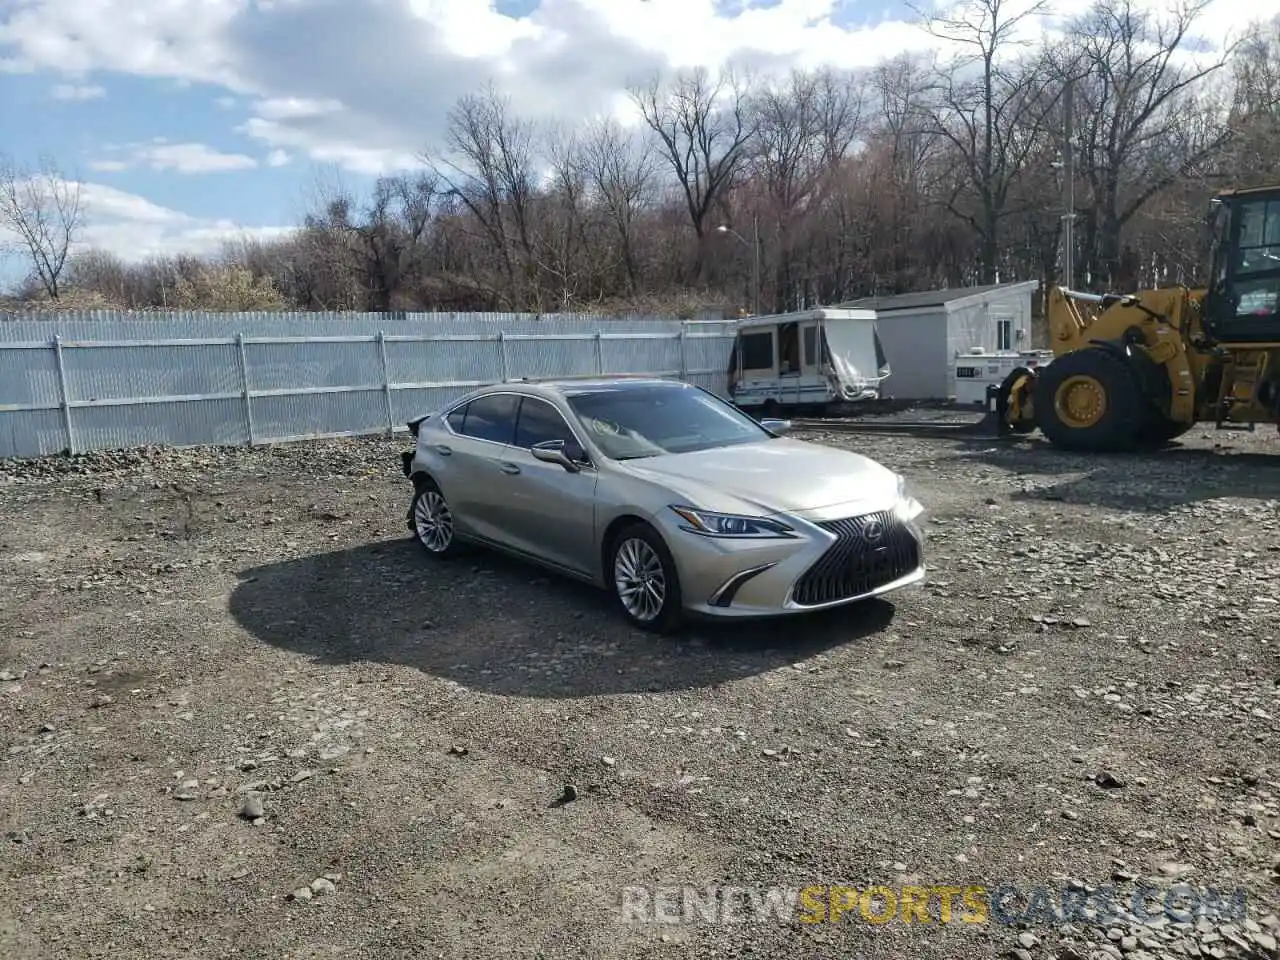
[(134, 228), (278, 158), (368, 85), (177, 157), (71, 91)]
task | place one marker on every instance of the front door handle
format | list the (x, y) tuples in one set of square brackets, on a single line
[(510, 468), (443, 450)]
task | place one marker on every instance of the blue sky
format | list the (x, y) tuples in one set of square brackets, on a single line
[(134, 111), (190, 120)]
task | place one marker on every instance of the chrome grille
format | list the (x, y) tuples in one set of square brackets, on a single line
[(870, 551)]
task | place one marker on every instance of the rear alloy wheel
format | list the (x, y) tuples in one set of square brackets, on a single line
[(643, 575), (1089, 401), (432, 520)]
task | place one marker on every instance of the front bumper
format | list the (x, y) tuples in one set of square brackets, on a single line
[(832, 563)]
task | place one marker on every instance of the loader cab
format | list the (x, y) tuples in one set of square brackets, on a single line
[(1242, 304)]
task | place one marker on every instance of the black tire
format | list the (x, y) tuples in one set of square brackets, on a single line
[(1158, 431), (431, 520), (643, 543), (1121, 423), (1026, 425)]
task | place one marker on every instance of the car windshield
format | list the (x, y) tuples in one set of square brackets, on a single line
[(629, 422)]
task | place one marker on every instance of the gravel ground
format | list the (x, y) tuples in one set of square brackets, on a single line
[(241, 714)]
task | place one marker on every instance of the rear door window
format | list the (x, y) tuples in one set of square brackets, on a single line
[(491, 418), (456, 418)]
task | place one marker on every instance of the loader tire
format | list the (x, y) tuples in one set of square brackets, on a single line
[(1089, 401), (1158, 431), (1005, 425)]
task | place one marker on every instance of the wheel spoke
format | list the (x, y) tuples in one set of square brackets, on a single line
[(639, 579), (626, 562), (433, 522)]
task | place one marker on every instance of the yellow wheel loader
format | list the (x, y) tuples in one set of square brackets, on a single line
[(1132, 371)]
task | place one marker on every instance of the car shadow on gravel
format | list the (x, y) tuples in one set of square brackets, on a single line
[(500, 626), (1159, 479)]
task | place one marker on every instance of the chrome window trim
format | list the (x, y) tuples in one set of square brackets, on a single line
[(520, 396), (563, 419), (444, 417)]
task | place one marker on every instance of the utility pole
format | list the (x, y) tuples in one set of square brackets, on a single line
[(755, 270), (1068, 183)]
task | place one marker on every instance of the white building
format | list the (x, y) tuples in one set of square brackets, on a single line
[(922, 333)]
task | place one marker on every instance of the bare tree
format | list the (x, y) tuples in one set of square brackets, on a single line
[(1134, 98), (703, 127), (900, 170), (43, 210), (489, 166), (843, 169), (391, 232), (620, 170), (987, 104), (562, 225), (102, 273), (803, 129), (1255, 108)]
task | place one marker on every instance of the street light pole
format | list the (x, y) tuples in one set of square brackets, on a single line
[(1068, 184), (754, 243)]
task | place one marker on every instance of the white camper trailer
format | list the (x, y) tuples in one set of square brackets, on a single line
[(810, 358)]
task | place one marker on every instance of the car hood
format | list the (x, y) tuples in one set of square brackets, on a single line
[(773, 476)]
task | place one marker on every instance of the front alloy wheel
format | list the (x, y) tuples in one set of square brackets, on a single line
[(644, 579), (432, 520)]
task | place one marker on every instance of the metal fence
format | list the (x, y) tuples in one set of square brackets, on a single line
[(75, 382)]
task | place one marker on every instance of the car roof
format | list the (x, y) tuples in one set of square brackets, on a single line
[(578, 386), (572, 388)]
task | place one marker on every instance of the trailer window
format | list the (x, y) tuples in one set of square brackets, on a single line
[(789, 348), (810, 336), (757, 351)]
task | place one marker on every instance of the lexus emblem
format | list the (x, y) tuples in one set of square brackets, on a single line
[(873, 532)]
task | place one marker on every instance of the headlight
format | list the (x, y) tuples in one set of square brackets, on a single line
[(908, 507), (731, 526)]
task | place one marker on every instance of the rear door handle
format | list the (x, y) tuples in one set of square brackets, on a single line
[(510, 468), (443, 450)]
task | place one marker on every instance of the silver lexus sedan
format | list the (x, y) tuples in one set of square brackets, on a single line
[(663, 494)]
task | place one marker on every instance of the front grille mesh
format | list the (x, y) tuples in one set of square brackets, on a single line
[(852, 566)]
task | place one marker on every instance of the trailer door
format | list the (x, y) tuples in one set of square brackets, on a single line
[(757, 378), (810, 356)]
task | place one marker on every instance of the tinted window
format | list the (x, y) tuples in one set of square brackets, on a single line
[(646, 421), (491, 418), (455, 419), (810, 346), (757, 351), (1260, 234), (540, 421)]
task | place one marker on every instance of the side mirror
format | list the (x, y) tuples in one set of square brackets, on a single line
[(555, 451), (778, 427)]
